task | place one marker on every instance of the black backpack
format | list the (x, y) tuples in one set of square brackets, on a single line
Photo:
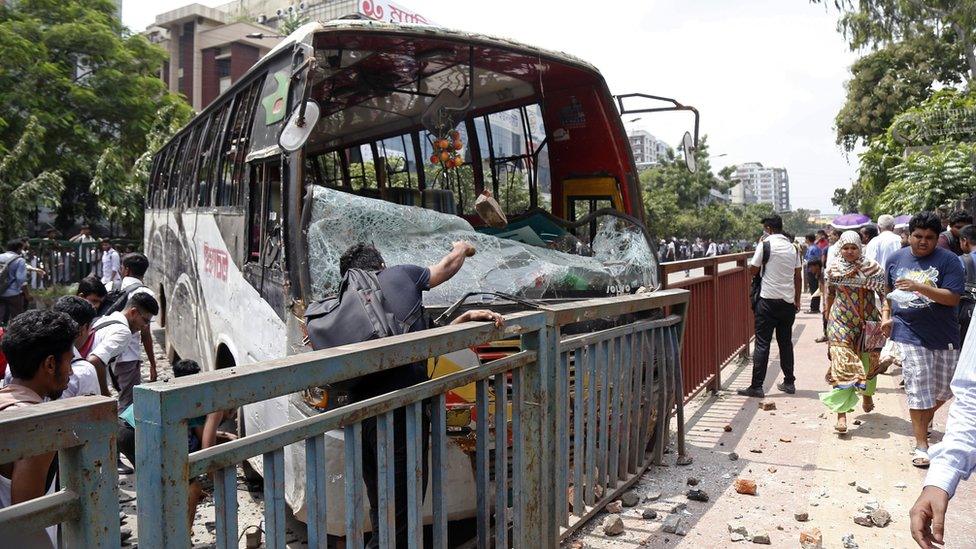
[(5, 270), (967, 302), (756, 288), (355, 314), (116, 299)]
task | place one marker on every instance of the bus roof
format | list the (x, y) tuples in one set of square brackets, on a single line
[(306, 32)]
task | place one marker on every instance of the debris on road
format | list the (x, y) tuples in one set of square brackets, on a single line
[(728, 428), (613, 525), (697, 495), (811, 539), (745, 486), (881, 518), (862, 487), (692, 481), (849, 542), (615, 506), (649, 514), (733, 456), (653, 495), (671, 523), (801, 516), (630, 499), (785, 439), (755, 450), (767, 405), (863, 519), (761, 538)]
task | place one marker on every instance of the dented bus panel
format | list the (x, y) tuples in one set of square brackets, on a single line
[(242, 234)]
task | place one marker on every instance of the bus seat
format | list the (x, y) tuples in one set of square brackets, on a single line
[(403, 196), (440, 200)]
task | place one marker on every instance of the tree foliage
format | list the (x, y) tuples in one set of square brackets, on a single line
[(916, 46), (923, 160), (675, 201), (23, 185), (70, 68)]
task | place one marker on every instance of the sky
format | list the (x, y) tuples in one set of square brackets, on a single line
[(767, 75)]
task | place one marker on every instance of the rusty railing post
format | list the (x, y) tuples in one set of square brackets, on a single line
[(712, 272), (539, 520)]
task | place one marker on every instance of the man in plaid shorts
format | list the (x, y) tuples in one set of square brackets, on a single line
[(919, 315)]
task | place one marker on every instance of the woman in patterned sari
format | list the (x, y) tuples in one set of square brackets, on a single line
[(853, 328)]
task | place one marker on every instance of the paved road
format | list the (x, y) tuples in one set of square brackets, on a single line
[(811, 472)]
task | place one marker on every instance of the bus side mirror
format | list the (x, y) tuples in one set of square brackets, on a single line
[(689, 149), (299, 127)]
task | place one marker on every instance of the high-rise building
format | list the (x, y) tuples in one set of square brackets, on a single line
[(762, 185), (648, 150), (209, 48)]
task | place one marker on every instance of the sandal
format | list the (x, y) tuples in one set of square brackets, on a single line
[(920, 458), (840, 427)]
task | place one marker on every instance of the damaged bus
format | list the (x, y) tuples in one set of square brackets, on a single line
[(353, 131)]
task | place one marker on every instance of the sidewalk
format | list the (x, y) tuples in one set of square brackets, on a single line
[(798, 462)]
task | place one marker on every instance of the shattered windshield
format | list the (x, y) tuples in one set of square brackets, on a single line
[(619, 259)]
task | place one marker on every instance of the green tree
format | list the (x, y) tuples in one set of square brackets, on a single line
[(74, 70), (291, 22), (23, 185)]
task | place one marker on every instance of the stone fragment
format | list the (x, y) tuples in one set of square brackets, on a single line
[(692, 481), (615, 506), (613, 525), (653, 495), (857, 422), (870, 506), (760, 537), (677, 507), (736, 527), (630, 499), (728, 428), (697, 495), (649, 514), (863, 519), (671, 523), (801, 516), (684, 460), (755, 450), (767, 405), (785, 439), (733, 456), (735, 536), (576, 544), (811, 539), (772, 469), (849, 542), (745, 486), (862, 487), (881, 518), (682, 529)]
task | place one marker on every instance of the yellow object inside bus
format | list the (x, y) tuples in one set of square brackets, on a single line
[(597, 187)]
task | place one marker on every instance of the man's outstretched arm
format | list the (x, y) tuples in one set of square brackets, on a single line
[(450, 264)]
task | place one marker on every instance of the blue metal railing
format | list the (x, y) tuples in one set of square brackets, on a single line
[(82, 430), (583, 410)]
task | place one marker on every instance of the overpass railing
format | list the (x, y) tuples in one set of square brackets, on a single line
[(562, 427), (82, 430), (720, 321)]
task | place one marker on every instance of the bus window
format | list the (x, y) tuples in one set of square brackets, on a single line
[(174, 164), (324, 170), (515, 158), (362, 172), (209, 150), (457, 184), (264, 215), (235, 147), (580, 207), (398, 161), (188, 167)]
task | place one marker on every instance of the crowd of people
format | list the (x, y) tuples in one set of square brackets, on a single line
[(78, 347), (891, 295), (680, 249)]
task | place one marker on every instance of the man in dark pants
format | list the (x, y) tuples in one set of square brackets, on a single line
[(779, 301), (402, 287)]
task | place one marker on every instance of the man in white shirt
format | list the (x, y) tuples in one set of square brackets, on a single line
[(881, 247), (128, 369), (111, 264), (779, 301), (114, 333), (954, 458)]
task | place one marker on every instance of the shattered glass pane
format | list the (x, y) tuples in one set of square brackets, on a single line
[(621, 261)]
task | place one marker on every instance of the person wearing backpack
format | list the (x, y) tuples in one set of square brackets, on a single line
[(967, 302), (393, 300), (128, 368), (14, 292), (114, 333), (949, 238), (778, 302)]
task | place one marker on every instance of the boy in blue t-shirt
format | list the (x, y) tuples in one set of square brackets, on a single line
[(919, 314)]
